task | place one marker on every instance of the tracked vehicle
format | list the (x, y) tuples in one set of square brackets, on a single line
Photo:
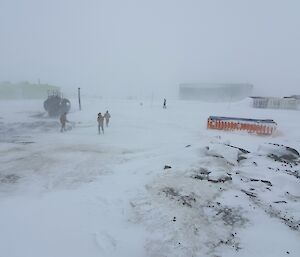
[(55, 104)]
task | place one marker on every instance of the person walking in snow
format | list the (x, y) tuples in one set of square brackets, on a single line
[(165, 103), (107, 117), (63, 120), (100, 120)]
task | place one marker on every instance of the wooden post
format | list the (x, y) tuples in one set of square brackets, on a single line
[(79, 99)]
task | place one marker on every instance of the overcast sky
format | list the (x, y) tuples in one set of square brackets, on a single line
[(139, 47)]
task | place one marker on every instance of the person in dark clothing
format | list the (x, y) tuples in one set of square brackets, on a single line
[(63, 120), (107, 117), (165, 103), (100, 120)]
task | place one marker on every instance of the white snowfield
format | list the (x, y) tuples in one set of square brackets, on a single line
[(156, 184)]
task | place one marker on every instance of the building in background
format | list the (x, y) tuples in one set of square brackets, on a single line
[(25, 90), (276, 102), (214, 92)]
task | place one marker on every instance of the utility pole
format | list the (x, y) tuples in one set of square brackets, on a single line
[(79, 99), (152, 97)]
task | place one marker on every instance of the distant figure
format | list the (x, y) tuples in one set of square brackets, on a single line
[(100, 120), (107, 117), (63, 120), (165, 103)]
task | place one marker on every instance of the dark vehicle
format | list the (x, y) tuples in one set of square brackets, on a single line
[(55, 104)]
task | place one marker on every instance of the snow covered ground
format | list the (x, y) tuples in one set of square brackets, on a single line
[(157, 183)]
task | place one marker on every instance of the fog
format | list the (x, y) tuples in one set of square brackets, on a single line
[(139, 48)]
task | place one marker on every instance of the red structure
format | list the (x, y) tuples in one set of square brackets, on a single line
[(257, 126)]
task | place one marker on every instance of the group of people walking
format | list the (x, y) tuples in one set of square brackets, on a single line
[(100, 120)]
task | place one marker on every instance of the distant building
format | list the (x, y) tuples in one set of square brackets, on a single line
[(295, 97), (214, 92), (275, 102), (25, 90)]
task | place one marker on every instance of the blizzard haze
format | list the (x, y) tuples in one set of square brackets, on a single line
[(157, 175), (140, 48)]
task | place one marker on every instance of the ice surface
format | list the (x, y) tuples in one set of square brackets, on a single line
[(83, 194)]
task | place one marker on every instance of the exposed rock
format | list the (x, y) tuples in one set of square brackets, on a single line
[(280, 153), (173, 194), (280, 202), (266, 182), (241, 149), (9, 179), (217, 176), (249, 193)]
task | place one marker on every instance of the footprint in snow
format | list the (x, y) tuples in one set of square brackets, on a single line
[(105, 242)]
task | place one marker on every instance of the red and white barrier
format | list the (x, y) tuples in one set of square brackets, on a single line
[(262, 127)]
